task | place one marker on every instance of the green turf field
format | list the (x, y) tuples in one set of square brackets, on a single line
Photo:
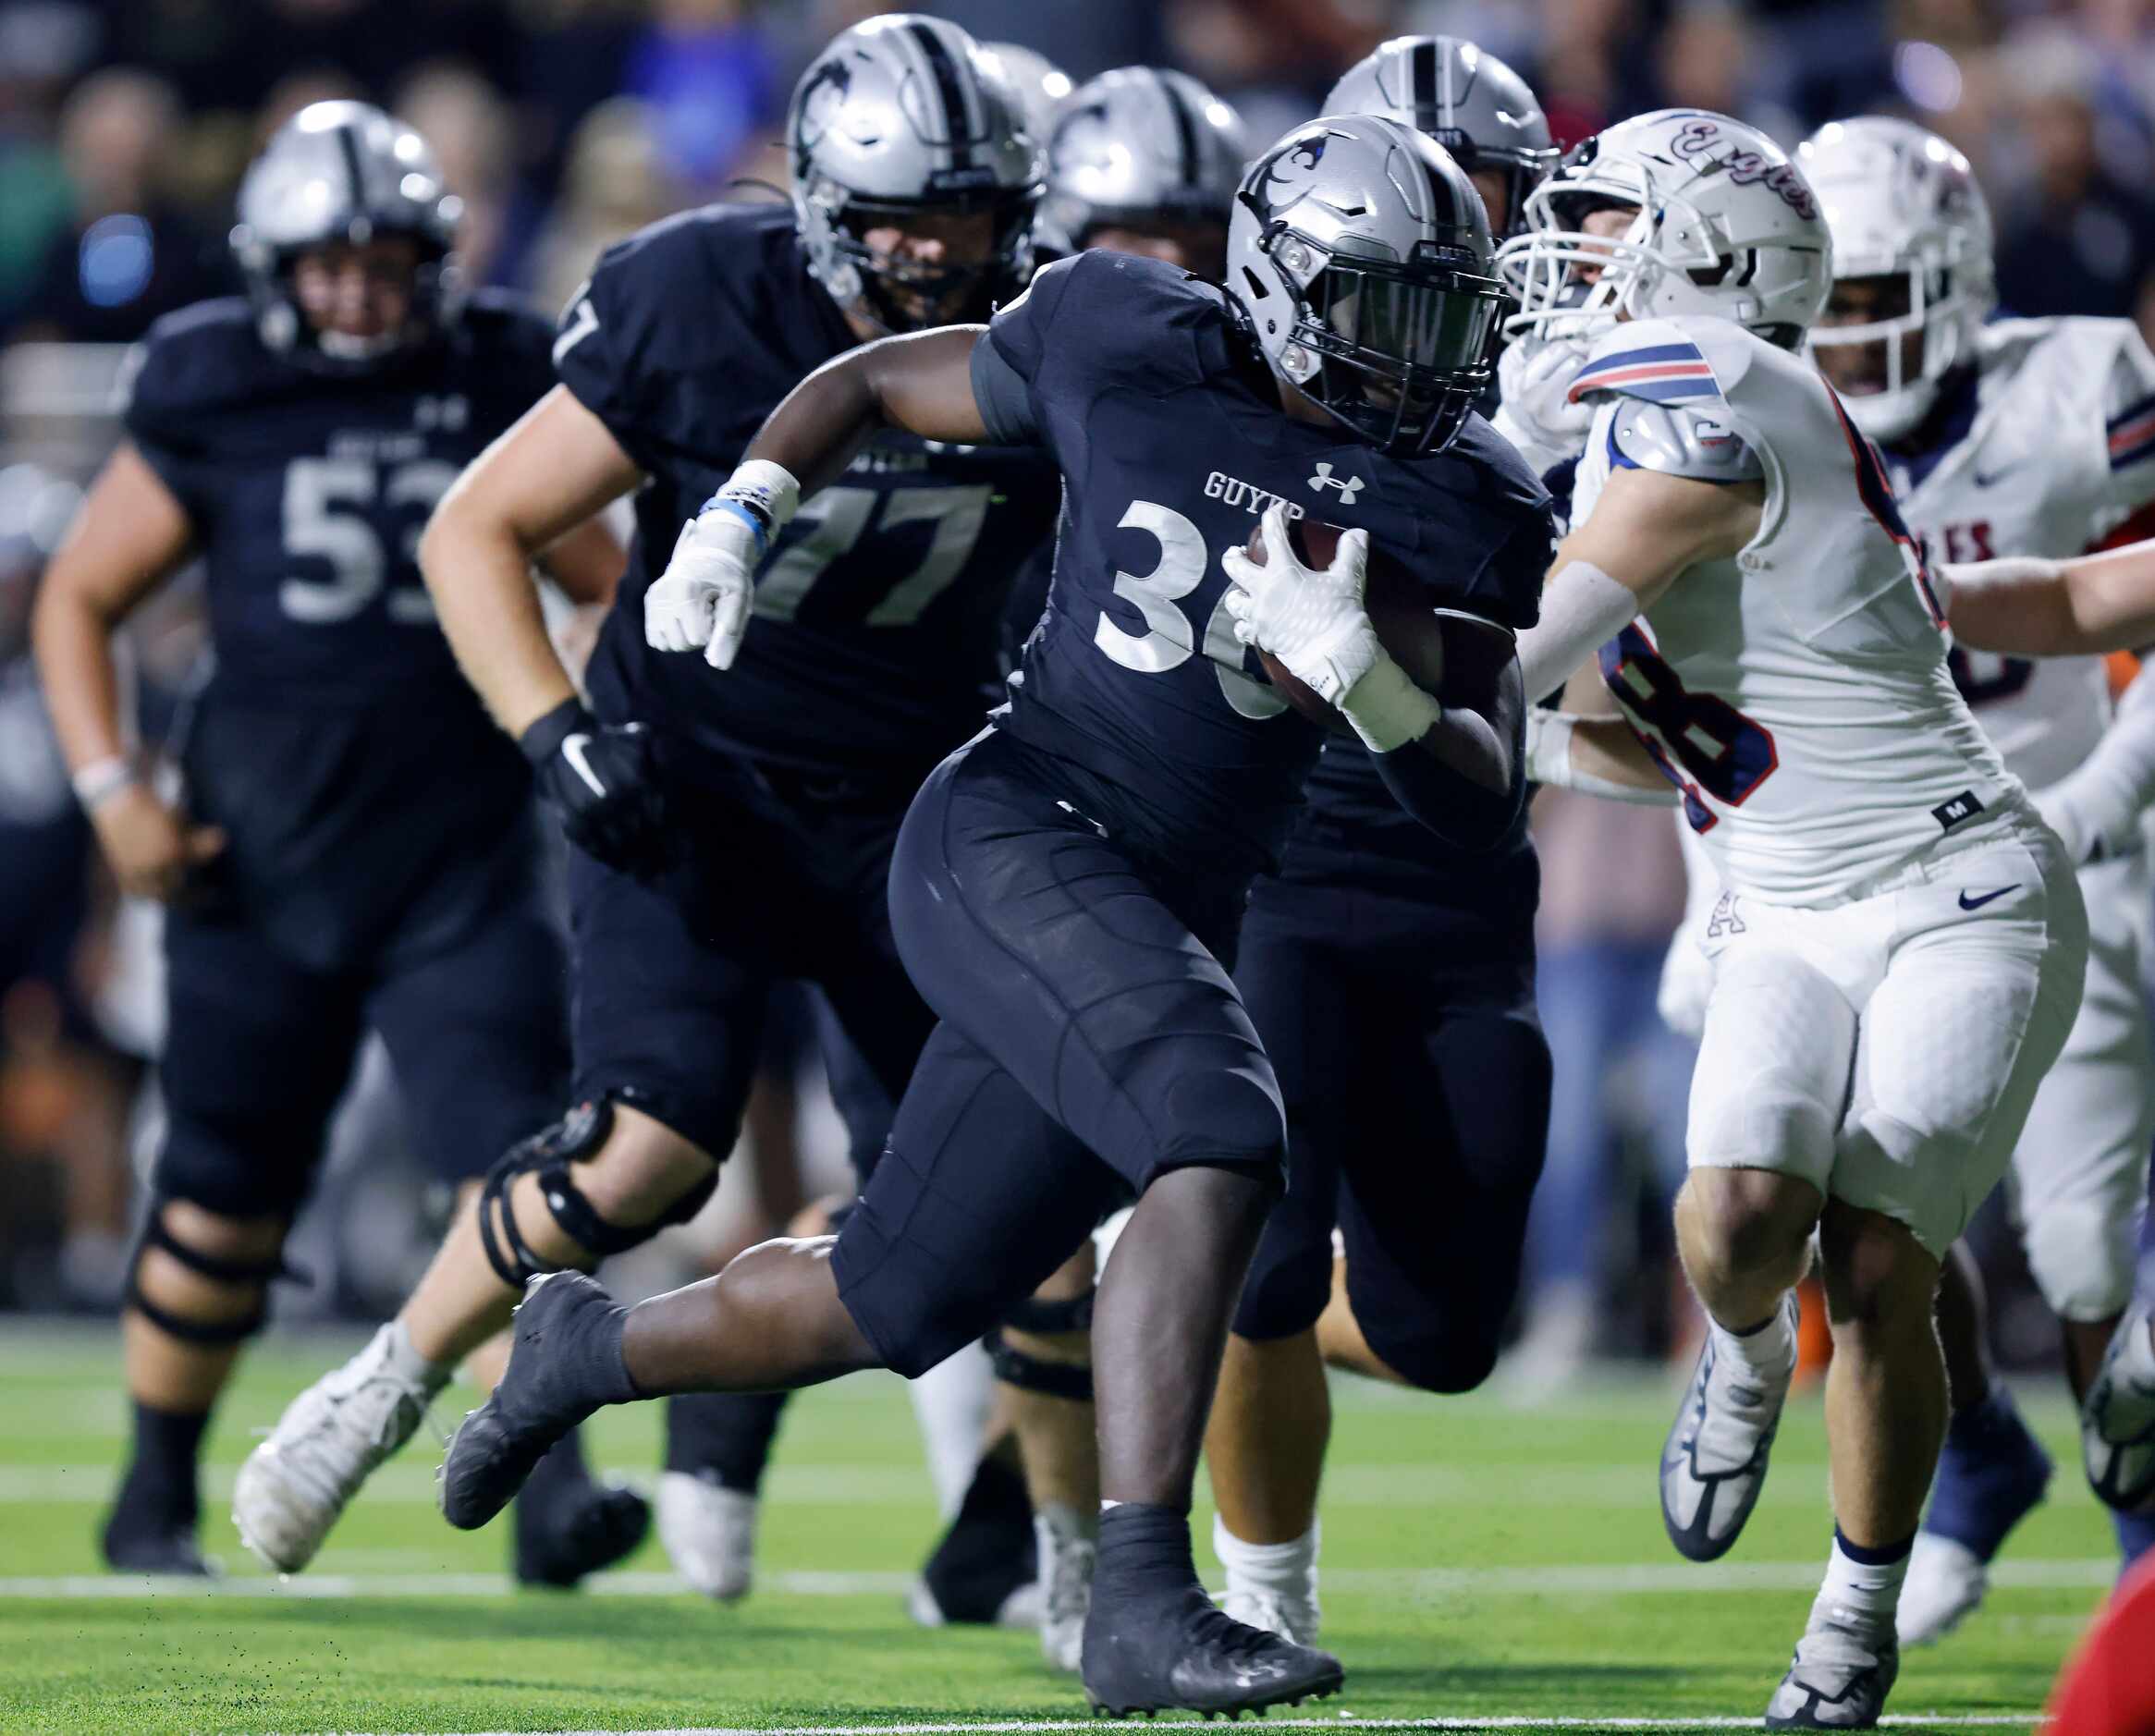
[(1485, 1565)]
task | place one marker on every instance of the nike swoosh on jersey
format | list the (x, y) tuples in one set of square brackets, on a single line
[(572, 749), (1978, 902), (1993, 477)]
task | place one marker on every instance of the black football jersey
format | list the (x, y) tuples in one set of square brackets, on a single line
[(875, 639), (365, 791), (1171, 444), (308, 492)]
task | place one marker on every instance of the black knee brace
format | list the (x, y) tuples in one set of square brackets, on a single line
[(548, 1155), (258, 1273), (1032, 1374)]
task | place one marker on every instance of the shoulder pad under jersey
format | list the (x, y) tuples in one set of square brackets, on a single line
[(1665, 361), (1680, 440)]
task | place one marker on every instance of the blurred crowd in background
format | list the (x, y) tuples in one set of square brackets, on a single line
[(565, 124)]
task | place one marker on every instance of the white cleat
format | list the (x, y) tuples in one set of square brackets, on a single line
[(709, 1534), (1838, 1680), (1066, 1589), (1944, 1587), (2117, 1423), (294, 1486), (1714, 1462), (1292, 1619)]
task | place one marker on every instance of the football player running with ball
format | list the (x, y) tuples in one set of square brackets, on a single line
[(1900, 944), (1067, 890), (731, 830), (356, 847)]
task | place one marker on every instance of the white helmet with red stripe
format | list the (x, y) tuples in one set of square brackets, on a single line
[(1904, 203), (1722, 224)]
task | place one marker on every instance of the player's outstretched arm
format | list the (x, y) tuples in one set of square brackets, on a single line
[(129, 536), (521, 498), (2026, 608), (1646, 529), (921, 382)]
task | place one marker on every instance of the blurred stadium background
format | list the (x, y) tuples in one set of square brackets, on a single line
[(124, 124)]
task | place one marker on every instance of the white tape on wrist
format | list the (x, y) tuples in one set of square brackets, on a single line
[(1582, 609), (761, 494), (1387, 709), (98, 782)]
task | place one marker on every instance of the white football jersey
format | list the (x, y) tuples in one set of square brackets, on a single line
[(2060, 448), (1797, 694)]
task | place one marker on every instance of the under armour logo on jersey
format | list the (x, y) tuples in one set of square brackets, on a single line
[(1724, 920), (1349, 486)]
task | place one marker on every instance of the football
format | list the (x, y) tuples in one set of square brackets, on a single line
[(1398, 604)]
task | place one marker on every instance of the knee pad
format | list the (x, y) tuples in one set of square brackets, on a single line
[(1032, 1374), (548, 1155), (2082, 1257), (217, 1269)]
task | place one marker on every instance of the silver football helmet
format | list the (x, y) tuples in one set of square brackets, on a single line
[(1042, 86), (1722, 224), (1137, 147), (1360, 254), (902, 117), (345, 172), (1463, 97), (1903, 203)]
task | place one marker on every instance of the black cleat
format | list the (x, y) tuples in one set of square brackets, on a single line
[(167, 1550), (564, 1363), (150, 1528), (569, 1526), (1187, 1655), (984, 1568)]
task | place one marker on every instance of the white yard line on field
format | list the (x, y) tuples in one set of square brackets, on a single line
[(1613, 1579)]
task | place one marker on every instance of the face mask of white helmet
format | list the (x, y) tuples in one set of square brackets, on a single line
[(1904, 211), (1723, 224)]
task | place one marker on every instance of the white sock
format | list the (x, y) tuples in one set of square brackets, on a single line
[(407, 1364), (950, 1403), (1289, 1568), (1768, 1355), (1859, 1593)]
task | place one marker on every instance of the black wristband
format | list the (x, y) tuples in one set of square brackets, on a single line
[(544, 739)]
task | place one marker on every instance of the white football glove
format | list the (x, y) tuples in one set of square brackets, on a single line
[(1533, 376), (1311, 619), (1315, 623), (700, 602)]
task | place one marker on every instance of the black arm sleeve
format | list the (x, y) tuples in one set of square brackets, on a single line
[(1004, 399), (1463, 813)]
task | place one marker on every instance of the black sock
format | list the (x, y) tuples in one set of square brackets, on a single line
[(1885, 1557), (162, 1474), (1144, 1552), (723, 1435)]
